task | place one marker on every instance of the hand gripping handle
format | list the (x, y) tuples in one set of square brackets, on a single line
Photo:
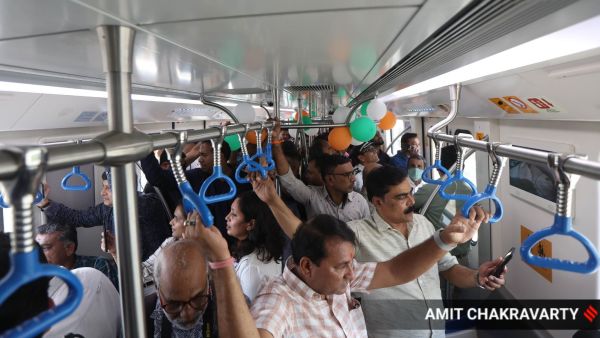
[(562, 226), (427, 176), (192, 201), (251, 166), (457, 178), (38, 198), (25, 268), (489, 193), (76, 172)]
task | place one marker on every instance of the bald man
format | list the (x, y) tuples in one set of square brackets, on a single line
[(184, 296)]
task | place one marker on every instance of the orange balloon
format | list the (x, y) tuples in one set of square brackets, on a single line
[(339, 138), (251, 136), (388, 121)]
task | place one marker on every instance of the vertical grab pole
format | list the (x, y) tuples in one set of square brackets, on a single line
[(116, 44), (277, 114)]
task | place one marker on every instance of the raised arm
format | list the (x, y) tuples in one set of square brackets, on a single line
[(234, 318), (60, 213), (414, 262), (265, 190), (278, 156)]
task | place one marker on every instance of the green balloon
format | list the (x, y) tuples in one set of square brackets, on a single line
[(363, 129), (363, 108), (313, 113), (233, 141), (306, 120)]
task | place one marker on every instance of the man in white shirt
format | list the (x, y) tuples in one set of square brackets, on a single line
[(399, 311)]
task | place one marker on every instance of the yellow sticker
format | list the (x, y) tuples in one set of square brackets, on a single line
[(519, 104), (503, 105), (542, 248)]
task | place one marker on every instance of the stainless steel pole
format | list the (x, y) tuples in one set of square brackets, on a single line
[(117, 49)]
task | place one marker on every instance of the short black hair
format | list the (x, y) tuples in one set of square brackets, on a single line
[(225, 149), (68, 233), (448, 156), (164, 157), (405, 138), (29, 300), (380, 180), (328, 163), (290, 150), (311, 236)]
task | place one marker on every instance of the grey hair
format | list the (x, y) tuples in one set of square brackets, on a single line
[(68, 233)]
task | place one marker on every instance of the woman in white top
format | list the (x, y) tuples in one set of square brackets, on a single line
[(259, 243)]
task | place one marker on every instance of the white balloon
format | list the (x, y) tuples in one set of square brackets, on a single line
[(340, 114), (355, 142), (244, 112), (376, 110), (312, 131), (293, 132)]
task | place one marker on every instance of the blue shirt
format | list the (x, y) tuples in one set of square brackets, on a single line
[(154, 222), (400, 160)]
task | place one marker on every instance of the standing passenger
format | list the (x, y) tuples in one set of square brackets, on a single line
[(409, 145)]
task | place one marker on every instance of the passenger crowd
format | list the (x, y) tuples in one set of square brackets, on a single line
[(341, 251)]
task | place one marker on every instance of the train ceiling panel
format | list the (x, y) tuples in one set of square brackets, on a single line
[(238, 49)]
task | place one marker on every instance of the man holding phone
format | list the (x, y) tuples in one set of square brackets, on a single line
[(393, 227)]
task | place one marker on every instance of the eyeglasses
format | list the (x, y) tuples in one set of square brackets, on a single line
[(405, 195), (198, 302), (349, 174)]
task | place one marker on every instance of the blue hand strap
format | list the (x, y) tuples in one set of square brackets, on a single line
[(25, 268), (38, 198), (428, 173), (87, 184), (562, 226), (458, 178), (489, 193), (216, 175), (193, 201), (251, 166)]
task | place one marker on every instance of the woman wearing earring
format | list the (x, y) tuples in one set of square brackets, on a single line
[(259, 244)]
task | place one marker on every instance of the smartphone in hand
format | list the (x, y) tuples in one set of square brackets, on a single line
[(500, 268)]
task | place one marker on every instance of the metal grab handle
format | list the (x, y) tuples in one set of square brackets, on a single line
[(488, 194), (457, 178), (246, 163), (427, 175), (490, 189), (39, 196), (218, 175), (269, 151), (87, 183), (259, 154), (25, 268), (191, 200), (563, 225), (458, 175)]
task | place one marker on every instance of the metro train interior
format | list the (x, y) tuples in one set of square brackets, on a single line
[(87, 85)]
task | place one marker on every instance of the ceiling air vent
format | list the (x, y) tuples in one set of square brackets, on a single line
[(476, 25), (311, 88)]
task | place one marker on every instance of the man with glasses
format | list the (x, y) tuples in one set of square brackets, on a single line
[(393, 228), (336, 197), (409, 145), (185, 306)]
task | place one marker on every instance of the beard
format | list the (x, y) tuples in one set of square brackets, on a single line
[(178, 323)]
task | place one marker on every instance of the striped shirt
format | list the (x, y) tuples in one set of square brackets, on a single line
[(287, 307)]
